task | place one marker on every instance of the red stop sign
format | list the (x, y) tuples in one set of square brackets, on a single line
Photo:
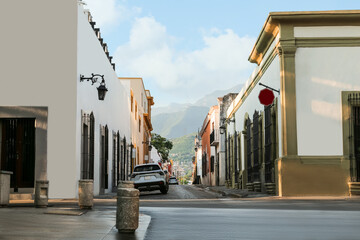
[(266, 97)]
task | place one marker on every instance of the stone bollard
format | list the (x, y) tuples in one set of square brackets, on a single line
[(4, 188), (86, 193), (41, 193), (127, 211)]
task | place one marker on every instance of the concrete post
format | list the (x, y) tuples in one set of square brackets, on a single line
[(41, 193), (127, 211), (4, 188), (86, 193)]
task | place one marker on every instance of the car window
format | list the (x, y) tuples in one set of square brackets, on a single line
[(146, 168)]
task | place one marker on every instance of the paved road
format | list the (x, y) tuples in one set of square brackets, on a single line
[(188, 212), (204, 215), (218, 223), (180, 192)]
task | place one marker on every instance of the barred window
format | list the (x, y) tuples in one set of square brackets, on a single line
[(87, 146)]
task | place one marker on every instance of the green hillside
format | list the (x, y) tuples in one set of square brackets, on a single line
[(174, 125), (183, 148)]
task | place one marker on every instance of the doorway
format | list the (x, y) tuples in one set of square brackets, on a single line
[(18, 150), (356, 127)]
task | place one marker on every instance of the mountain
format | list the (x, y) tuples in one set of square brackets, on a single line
[(183, 148), (177, 124), (211, 99), (177, 120)]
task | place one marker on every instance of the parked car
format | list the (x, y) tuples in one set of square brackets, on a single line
[(173, 180), (149, 177)]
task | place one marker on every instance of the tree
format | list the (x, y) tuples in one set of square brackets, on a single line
[(162, 145)]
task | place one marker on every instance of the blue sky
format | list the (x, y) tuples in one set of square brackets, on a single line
[(185, 49)]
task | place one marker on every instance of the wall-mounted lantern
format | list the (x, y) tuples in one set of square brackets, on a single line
[(101, 89), (149, 145), (222, 129)]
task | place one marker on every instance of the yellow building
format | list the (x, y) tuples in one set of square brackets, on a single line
[(140, 120)]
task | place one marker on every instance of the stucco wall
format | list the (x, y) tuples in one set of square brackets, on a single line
[(271, 78), (321, 75), (38, 59), (113, 111)]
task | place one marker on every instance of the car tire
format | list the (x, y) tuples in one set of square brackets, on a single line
[(164, 190)]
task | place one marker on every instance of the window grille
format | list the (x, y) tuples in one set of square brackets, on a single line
[(87, 155), (106, 157), (248, 150), (212, 162), (236, 170)]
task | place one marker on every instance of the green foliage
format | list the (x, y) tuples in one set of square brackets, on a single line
[(162, 145), (183, 150)]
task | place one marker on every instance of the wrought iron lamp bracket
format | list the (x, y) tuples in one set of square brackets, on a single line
[(93, 78)]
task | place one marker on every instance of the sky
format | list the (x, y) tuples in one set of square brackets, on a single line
[(185, 49)]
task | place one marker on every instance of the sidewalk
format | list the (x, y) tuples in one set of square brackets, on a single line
[(247, 195), (63, 219), (232, 193)]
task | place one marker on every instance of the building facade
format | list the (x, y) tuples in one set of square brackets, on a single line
[(140, 120), (53, 126), (209, 137), (305, 142)]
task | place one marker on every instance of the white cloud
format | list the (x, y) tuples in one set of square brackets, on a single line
[(110, 12), (151, 54)]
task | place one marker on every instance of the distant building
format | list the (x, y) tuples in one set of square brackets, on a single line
[(140, 119), (209, 141)]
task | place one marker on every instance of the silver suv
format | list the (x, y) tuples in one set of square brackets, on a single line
[(149, 177)]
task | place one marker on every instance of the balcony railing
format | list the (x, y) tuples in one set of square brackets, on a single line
[(214, 137)]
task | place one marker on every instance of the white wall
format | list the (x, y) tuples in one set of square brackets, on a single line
[(270, 78), (321, 75), (38, 68), (199, 161), (113, 111)]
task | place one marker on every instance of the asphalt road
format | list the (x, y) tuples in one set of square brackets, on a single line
[(218, 223), (179, 192), (199, 214)]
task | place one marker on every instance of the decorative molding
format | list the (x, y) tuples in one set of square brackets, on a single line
[(327, 42)]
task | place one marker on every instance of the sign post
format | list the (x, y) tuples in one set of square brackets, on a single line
[(266, 97)]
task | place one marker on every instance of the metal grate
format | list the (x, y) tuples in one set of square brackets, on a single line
[(236, 157), (269, 148), (92, 146), (248, 150), (106, 162), (18, 151), (256, 147), (356, 123)]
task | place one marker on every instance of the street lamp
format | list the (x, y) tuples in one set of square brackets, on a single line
[(101, 89)]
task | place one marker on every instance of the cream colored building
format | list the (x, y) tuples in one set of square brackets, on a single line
[(140, 120), (307, 141)]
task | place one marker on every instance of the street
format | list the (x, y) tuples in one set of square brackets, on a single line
[(189, 212), (222, 218), (180, 192)]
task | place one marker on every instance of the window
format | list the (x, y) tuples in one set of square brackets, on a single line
[(248, 150), (104, 157), (135, 109), (146, 168), (87, 146), (139, 124), (132, 99), (115, 167), (212, 162)]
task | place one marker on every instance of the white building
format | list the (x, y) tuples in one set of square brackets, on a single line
[(53, 126), (306, 142)]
